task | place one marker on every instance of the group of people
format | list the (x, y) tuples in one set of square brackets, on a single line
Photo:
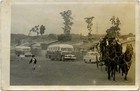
[(110, 48)]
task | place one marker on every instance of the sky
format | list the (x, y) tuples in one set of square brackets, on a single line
[(26, 16)]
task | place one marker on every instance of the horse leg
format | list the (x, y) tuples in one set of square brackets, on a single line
[(117, 68), (105, 68), (126, 72), (122, 73), (114, 72), (125, 78), (108, 72), (120, 68)]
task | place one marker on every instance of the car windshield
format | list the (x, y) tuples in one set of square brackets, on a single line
[(66, 49), (91, 54)]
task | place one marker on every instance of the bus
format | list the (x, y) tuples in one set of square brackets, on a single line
[(23, 50), (60, 52)]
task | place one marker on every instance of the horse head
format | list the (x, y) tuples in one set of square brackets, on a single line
[(129, 49)]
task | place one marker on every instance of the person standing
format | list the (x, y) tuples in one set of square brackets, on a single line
[(33, 61)]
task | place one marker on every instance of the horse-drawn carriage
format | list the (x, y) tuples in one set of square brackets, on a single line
[(112, 57)]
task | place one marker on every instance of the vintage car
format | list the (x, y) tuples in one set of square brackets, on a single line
[(28, 54), (91, 57)]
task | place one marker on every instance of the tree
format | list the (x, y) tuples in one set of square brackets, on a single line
[(34, 29), (113, 31), (42, 29), (112, 20), (90, 24), (67, 21), (67, 25)]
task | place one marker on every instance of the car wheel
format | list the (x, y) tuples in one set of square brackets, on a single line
[(62, 58), (89, 60), (85, 61), (51, 58), (59, 59)]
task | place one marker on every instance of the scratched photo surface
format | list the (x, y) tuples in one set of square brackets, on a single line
[(72, 44)]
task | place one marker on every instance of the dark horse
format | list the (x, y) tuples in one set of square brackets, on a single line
[(126, 60), (112, 61), (109, 57)]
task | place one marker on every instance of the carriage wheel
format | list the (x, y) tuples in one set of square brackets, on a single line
[(97, 61), (101, 62)]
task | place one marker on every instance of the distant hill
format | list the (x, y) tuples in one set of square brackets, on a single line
[(15, 38), (18, 39), (127, 35)]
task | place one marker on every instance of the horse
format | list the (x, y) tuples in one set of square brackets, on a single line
[(110, 53), (112, 62), (126, 60), (118, 53)]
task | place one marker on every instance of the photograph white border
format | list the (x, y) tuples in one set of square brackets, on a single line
[(5, 46)]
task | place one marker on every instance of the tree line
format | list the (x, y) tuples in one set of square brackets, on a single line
[(113, 31)]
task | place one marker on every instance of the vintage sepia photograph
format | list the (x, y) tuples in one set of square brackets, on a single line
[(72, 44)]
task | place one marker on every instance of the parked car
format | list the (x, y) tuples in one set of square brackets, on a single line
[(23, 50), (28, 54), (91, 57)]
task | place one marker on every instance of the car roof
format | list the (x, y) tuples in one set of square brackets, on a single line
[(61, 45), (92, 52), (22, 47)]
